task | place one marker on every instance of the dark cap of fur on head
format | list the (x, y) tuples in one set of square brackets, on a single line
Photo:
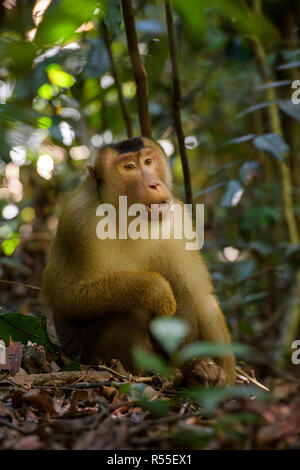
[(130, 145)]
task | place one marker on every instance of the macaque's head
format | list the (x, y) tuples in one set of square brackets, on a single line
[(137, 168)]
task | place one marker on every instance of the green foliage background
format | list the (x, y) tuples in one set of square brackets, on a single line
[(58, 99)]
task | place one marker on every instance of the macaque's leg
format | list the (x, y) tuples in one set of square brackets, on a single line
[(213, 328), (109, 337), (115, 336), (208, 324), (117, 292), (70, 336)]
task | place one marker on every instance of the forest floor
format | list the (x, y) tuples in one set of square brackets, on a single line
[(50, 402), (107, 408)]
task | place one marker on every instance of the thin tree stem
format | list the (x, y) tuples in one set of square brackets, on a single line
[(176, 102), (138, 68), (114, 72)]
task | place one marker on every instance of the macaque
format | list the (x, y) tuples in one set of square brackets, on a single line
[(110, 289)]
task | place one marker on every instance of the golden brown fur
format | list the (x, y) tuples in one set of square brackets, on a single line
[(116, 286)]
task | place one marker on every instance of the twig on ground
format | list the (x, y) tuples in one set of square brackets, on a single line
[(3, 422), (246, 378)]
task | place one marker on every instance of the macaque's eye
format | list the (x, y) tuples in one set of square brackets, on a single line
[(148, 161), (129, 166)]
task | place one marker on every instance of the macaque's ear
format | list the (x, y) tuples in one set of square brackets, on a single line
[(92, 172)]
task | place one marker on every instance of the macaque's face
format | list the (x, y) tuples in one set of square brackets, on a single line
[(139, 175)]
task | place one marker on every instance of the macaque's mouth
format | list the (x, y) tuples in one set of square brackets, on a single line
[(162, 206)]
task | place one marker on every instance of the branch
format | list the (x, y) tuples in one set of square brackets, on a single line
[(138, 69), (115, 75), (15, 283), (176, 101)]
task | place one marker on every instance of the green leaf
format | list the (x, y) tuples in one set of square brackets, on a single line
[(233, 194), (112, 17), (44, 122), (150, 361), (156, 407), (272, 144), (253, 108), (58, 77), (61, 20), (98, 60), (293, 110), (9, 245), (289, 65), (278, 83), (254, 297), (240, 139), (140, 395), (125, 388), (237, 15), (211, 397), (192, 434), (24, 328), (248, 171), (45, 91), (20, 53), (209, 189), (194, 15), (169, 332), (205, 349), (74, 365)]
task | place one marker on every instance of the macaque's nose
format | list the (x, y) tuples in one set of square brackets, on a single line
[(158, 191), (154, 186)]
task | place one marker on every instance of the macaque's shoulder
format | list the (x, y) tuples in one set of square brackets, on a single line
[(77, 223)]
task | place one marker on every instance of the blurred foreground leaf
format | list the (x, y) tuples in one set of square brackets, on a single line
[(149, 361), (211, 397), (169, 332), (203, 349)]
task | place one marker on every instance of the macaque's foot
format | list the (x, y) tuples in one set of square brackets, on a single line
[(203, 372)]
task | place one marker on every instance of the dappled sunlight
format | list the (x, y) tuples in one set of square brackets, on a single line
[(168, 146), (10, 211), (97, 140), (18, 155), (231, 254), (45, 166), (106, 81), (79, 153), (67, 133), (191, 142)]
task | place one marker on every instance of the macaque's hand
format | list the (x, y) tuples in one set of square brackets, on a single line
[(162, 298), (203, 371)]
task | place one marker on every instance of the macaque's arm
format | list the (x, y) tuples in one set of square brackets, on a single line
[(213, 328), (117, 292)]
